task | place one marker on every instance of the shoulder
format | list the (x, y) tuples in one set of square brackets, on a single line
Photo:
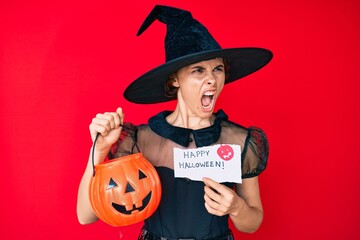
[(247, 135), (254, 146), (229, 127), (255, 153), (257, 137)]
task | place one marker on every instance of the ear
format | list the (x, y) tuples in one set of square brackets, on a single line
[(175, 83)]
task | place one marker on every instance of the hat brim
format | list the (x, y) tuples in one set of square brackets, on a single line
[(149, 88)]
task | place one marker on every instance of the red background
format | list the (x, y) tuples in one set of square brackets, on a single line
[(62, 62)]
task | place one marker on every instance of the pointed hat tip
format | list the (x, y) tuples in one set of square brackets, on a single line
[(164, 14), (149, 19)]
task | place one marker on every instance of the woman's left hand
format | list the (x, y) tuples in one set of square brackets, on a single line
[(221, 200)]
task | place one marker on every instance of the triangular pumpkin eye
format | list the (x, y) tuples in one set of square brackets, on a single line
[(129, 188), (142, 175), (112, 184)]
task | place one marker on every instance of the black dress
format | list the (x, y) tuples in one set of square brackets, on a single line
[(181, 213)]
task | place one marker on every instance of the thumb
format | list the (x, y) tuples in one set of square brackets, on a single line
[(121, 114)]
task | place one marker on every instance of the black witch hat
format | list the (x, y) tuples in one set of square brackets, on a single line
[(187, 42)]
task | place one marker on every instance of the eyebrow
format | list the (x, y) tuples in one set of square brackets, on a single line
[(220, 65), (199, 66)]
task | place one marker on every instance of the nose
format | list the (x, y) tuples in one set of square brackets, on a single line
[(210, 80)]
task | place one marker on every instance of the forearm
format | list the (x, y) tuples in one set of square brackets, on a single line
[(84, 209), (105, 131), (246, 218)]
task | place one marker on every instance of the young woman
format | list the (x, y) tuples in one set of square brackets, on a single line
[(194, 74)]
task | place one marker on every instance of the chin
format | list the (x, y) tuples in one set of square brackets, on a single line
[(206, 112)]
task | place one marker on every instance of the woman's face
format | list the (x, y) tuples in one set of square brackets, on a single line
[(200, 85)]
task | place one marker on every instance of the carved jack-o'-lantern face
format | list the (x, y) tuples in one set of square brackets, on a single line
[(127, 208), (125, 190)]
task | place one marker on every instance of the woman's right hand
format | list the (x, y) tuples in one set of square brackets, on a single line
[(108, 124)]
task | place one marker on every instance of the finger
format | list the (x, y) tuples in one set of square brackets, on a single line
[(96, 128), (117, 119), (209, 209), (218, 208), (113, 119), (211, 202), (213, 207), (100, 120), (217, 187), (121, 114), (211, 183), (212, 194)]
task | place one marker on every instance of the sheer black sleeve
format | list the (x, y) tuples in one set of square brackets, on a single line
[(255, 154), (126, 143)]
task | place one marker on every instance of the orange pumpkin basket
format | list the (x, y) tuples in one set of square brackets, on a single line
[(124, 190)]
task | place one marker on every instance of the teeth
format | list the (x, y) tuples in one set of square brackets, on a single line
[(209, 93), (138, 204), (128, 207)]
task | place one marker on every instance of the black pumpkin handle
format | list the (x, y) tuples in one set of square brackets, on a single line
[(94, 143)]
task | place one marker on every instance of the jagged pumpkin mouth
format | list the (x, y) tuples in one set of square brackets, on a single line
[(122, 208)]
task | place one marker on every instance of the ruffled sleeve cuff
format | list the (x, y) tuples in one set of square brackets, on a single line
[(255, 154)]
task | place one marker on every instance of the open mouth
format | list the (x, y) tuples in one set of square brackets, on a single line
[(122, 209), (207, 100)]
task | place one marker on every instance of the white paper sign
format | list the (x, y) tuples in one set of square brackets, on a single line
[(221, 163)]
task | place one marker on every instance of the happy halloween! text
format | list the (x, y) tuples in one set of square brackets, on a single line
[(207, 164)]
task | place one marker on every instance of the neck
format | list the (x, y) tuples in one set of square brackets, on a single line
[(183, 117)]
